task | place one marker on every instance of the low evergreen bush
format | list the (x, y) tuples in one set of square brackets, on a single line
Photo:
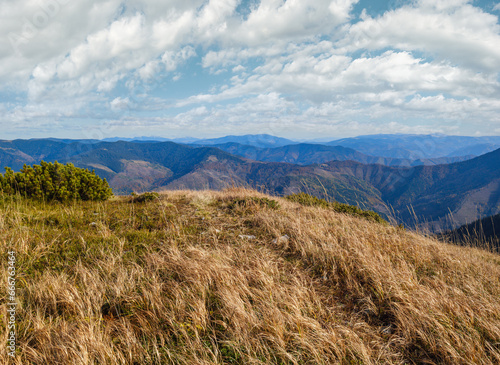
[(55, 181)]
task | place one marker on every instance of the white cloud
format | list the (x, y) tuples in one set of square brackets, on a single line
[(172, 60), (327, 77), (149, 70), (121, 37), (120, 103), (274, 19), (29, 41), (238, 69), (212, 20), (453, 31), (172, 30)]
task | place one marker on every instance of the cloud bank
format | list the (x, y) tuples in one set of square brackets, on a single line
[(208, 68)]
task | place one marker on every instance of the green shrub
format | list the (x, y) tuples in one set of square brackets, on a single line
[(54, 181), (312, 201)]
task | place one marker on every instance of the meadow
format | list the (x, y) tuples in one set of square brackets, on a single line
[(239, 277)]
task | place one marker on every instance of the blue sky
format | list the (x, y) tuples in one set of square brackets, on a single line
[(297, 69)]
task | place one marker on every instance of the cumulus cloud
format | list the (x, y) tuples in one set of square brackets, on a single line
[(453, 31), (36, 32), (171, 60), (120, 103), (326, 77), (284, 20)]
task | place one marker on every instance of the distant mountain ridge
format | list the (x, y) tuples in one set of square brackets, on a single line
[(256, 140), (408, 146), (394, 146)]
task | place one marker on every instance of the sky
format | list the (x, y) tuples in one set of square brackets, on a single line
[(297, 69)]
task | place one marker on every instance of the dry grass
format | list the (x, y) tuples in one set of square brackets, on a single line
[(171, 281)]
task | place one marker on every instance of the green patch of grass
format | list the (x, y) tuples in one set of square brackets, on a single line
[(145, 197), (230, 355), (253, 202), (312, 201), (308, 200)]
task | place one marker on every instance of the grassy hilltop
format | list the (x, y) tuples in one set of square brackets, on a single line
[(237, 277)]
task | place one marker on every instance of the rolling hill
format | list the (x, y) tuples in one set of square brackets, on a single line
[(165, 165), (130, 166), (144, 166), (433, 197)]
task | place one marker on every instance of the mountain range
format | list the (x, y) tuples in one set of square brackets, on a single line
[(413, 147), (307, 154), (396, 146), (434, 196)]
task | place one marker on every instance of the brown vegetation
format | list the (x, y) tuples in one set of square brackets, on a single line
[(181, 280)]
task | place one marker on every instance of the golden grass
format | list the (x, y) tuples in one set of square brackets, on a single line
[(172, 282)]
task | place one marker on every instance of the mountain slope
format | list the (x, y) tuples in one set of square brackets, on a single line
[(468, 190), (130, 166), (426, 195), (126, 164), (237, 277), (476, 149), (283, 179), (35, 150), (165, 165), (481, 233)]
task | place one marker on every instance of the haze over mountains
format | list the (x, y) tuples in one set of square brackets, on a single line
[(419, 146), (423, 191), (256, 140), (398, 146)]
